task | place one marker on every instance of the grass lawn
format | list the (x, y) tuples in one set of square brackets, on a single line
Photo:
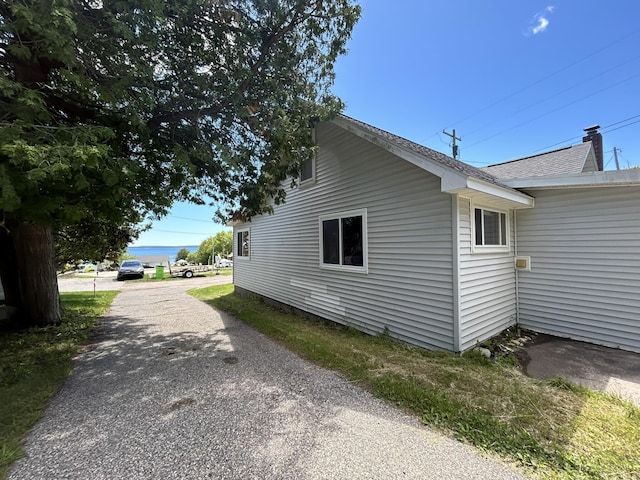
[(550, 429), (33, 364)]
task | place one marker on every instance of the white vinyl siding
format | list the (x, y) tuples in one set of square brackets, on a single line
[(584, 281), (408, 285), (486, 284)]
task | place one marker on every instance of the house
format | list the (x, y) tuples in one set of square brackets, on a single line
[(386, 235)]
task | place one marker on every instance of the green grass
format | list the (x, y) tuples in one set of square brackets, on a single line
[(33, 364), (551, 429)]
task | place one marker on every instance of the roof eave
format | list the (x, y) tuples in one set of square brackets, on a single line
[(614, 178), (452, 180), (415, 158), (481, 191)]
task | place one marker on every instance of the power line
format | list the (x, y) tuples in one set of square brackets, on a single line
[(520, 110), (191, 219), (527, 87), (622, 126), (183, 233), (580, 136), (552, 111)]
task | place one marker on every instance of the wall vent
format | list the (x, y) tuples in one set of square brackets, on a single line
[(523, 263)]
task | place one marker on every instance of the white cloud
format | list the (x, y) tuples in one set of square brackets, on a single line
[(540, 21), (541, 26)]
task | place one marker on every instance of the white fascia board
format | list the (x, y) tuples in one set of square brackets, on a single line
[(613, 178), (475, 186)]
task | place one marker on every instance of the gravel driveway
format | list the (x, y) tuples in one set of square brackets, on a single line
[(171, 388)]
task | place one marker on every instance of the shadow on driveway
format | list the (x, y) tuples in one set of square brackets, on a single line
[(171, 388)]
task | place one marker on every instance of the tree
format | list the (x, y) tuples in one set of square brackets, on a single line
[(203, 254), (112, 110), (95, 240), (182, 254), (223, 243)]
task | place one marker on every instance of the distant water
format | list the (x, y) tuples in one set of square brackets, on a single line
[(164, 251)]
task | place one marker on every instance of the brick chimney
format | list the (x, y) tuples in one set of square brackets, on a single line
[(595, 137)]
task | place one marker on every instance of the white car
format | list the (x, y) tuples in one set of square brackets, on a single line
[(130, 269), (224, 263)]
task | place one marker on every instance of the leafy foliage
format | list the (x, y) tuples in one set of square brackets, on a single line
[(122, 107), (182, 254), (223, 243), (112, 110), (220, 244)]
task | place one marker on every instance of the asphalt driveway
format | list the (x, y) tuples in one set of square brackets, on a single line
[(172, 388)]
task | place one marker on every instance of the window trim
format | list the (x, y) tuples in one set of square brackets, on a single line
[(475, 248), (365, 249), (237, 244)]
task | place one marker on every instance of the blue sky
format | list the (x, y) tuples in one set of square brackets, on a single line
[(513, 77)]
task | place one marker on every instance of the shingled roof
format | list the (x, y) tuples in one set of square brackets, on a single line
[(432, 154), (564, 161)]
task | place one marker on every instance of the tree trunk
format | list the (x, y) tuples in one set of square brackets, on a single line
[(9, 270), (37, 273)]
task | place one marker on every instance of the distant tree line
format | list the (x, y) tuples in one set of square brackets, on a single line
[(220, 244)]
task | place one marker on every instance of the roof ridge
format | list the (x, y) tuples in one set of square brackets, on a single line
[(441, 158), (538, 154)]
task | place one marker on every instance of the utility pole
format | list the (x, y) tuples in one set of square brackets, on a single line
[(615, 155), (453, 145)]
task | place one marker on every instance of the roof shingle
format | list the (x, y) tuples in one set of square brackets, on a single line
[(564, 161), (429, 153)]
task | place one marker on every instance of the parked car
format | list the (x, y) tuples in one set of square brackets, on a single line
[(224, 263), (130, 269)]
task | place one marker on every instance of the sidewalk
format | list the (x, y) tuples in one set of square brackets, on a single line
[(172, 388)]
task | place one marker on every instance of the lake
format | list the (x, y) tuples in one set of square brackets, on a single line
[(168, 251)]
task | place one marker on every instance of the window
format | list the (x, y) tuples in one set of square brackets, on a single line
[(308, 172), (242, 244), (344, 241), (491, 229)]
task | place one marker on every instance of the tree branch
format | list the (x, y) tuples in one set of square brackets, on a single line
[(191, 114)]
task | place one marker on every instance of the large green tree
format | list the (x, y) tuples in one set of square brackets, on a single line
[(219, 244), (110, 110), (223, 243)]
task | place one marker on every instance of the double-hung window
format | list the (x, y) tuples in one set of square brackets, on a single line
[(343, 241), (491, 230), (243, 247)]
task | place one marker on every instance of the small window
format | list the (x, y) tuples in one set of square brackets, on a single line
[(242, 244), (344, 241), (490, 228), (308, 172)]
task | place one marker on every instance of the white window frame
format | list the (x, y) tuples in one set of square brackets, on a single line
[(489, 248), (365, 250), (237, 244), (311, 180)]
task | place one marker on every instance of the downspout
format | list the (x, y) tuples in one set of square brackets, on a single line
[(455, 271), (515, 252)]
